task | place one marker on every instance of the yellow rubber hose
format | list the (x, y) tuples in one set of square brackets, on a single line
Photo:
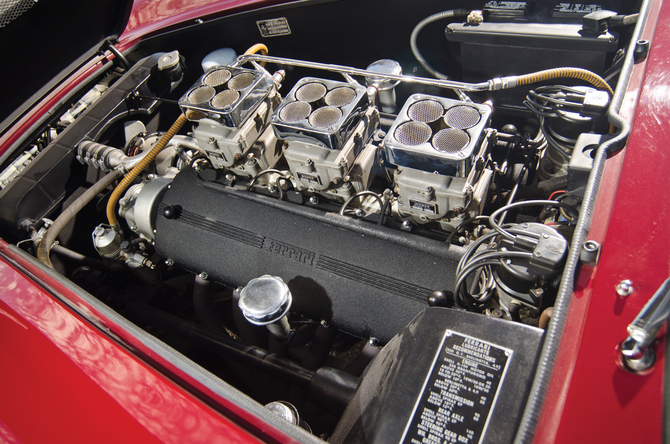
[(557, 73), (128, 179), (256, 48)]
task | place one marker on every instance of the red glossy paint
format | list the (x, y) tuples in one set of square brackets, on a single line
[(149, 16), (65, 380), (591, 399), (230, 410)]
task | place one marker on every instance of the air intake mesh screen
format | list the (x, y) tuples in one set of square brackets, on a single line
[(217, 78), (225, 98), (310, 92), (462, 117), (413, 133), (451, 140), (10, 10), (425, 111), (325, 117)]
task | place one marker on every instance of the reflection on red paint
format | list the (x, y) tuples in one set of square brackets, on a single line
[(6, 435), (162, 409), (151, 15)]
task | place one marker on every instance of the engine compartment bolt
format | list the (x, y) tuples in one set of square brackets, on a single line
[(625, 287), (373, 341), (589, 253), (203, 275), (439, 298), (172, 211), (325, 324), (272, 189), (314, 200), (169, 262), (359, 212), (406, 224)]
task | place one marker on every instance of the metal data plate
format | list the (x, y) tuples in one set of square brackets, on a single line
[(436, 134), (460, 392), (227, 95)]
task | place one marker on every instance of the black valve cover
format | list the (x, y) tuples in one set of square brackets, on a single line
[(368, 280)]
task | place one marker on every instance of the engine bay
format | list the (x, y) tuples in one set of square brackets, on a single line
[(317, 234)]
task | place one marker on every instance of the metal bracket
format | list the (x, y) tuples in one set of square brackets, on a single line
[(636, 350)]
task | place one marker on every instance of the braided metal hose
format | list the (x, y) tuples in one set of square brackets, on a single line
[(557, 73)]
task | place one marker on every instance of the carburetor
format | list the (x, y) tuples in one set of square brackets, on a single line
[(438, 147), (232, 107), (327, 126)]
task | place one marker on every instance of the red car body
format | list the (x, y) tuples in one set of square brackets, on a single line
[(69, 373)]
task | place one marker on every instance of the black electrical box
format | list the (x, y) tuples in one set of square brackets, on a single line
[(491, 50)]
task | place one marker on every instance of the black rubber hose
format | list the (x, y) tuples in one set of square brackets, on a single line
[(327, 387), (555, 329), (122, 59), (73, 255), (358, 365), (333, 389), (543, 188), (320, 347)]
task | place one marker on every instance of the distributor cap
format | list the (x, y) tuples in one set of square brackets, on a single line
[(548, 246)]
